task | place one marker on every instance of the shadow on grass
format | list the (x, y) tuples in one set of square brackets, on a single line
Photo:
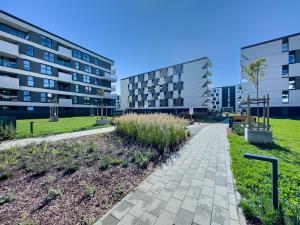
[(272, 146)]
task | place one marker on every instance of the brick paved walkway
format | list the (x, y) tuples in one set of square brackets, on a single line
[(195, 188)]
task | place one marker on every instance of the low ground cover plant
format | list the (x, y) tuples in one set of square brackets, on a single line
[(7, 132), (161, 131), (205, 117), (253, 178)]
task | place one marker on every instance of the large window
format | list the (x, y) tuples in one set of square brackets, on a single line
[(77, 65), (30, 108), (48, 83), (43, 97), (86, 100), (48, 56), (46, 69), (285, 96), (292, 57), (13, 31), (86, 79), (285, 70), (77, 88), (30, 81), (26, 65), (76, 53), (29, 50), (46, 41), (74, 76), (292, 83), (75, 100), (285, 45), (87, 68), (85, 57), (26, 96), (88, 90)]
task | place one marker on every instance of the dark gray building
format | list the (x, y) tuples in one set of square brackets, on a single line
[(39, 69)]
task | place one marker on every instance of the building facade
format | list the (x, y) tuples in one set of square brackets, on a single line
[(118, 103), (39, 69), (171, 89), (281, 76), (226, 99)]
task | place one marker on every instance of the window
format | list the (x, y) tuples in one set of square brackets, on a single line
[(43, 97), (76, 53), (292, 57), (46, 69), (46, 41), (97, 71), (85, 57), (30, 108), (77, 88), (26, 65), (96, 81), (48, 56), (285, 45), (29, 50), (74, 76), (26, 96), (285, 70), (14, 31), (48, 83), (86, 100), (87, 68), (77, 65), (96, 61), (88, 90), (292, 83), (75, 99), (285, 96), (86, 79), (30, 81)]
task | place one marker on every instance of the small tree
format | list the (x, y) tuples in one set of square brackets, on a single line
[(101, 93), (255, 71)]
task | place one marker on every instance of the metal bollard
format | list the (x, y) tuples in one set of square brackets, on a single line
[(274, 174), (31, 127)]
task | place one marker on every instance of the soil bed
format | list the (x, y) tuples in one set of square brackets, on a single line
[(71, 182)]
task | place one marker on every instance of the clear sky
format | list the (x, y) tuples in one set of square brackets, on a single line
[(143, 35)]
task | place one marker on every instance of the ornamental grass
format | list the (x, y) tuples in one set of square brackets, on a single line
[(161, 131)]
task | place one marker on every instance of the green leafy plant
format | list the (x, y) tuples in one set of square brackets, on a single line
[(52, 194), (238, 129), (7, 132), (7, 197), (117, 193), (89, 192)]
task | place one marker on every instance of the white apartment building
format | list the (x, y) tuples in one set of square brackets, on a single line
[(282, 74), (226, 99), (173, 89)]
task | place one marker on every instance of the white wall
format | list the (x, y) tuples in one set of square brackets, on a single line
[(124, 94)]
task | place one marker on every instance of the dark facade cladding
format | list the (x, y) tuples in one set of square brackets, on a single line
[(284, 112), (49, 71), (228, 97)]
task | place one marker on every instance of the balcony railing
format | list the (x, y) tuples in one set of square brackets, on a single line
[(9, 82), (9, 49), (8, 63), (63, 63)]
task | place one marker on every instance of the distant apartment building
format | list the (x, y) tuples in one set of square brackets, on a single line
[(226, 99), (39, 69), (171, 89), (282, 74)]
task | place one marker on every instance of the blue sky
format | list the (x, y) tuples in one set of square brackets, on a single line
[(142, 35)]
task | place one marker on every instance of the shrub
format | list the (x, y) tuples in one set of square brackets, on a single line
[(109, 161), (4, 172), (158, 130), (51, 195), (7, 132), (238, 129), (89, 192), (6, 198), (117, 193)]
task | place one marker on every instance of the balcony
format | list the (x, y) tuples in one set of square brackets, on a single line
[(64, 102), (9, 82), (113, 88), (110, 95), (8, 49), (65, 77), (64, 52), (111, 77)]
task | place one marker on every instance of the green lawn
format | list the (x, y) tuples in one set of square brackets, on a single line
[(253, 178), (64, 125)]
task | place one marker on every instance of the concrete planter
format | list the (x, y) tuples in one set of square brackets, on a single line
[(53, 118), (258, 136), (101, 122)]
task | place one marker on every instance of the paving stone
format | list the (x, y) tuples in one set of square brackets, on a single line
[(189, 204), (147, 219), (179, 194), (165, 195), (207, 191), (202, 216), (133, 197), (128, 219), (110, 220), (194, 192), (233, 214), (221, 190), (184, 217), (221, 200), (233, 222), (205, 202), (156, 207), (220, 215), (173, 205), (121, 209), (171, 185), (165, 218), (139, 208)]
